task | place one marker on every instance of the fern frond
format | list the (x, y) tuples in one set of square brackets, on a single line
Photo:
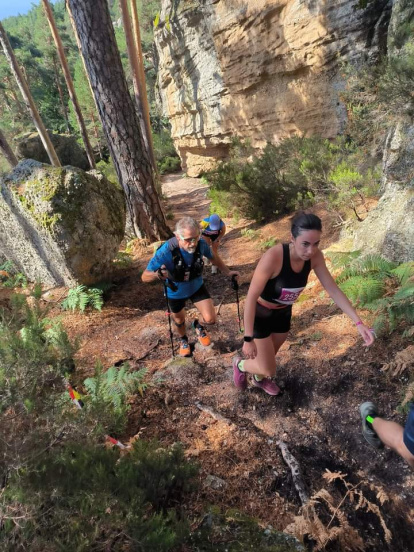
[(405, 292), (364, 289), (116, 384), (403, 272), (342, 259), (96, 298)]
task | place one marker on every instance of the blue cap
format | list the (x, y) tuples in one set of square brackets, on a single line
[(214, 222)]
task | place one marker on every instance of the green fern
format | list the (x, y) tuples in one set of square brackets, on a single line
[(341, 259), (404, 272), (363, 289), (381, 287), (81, 297), (115, 385)]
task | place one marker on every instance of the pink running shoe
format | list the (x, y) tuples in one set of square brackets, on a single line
[(239, 377), (267, 385)]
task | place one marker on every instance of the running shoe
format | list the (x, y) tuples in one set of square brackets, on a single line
[(185, 350), (268, 386), (214, 269), (202, 335), (239, 377), (369, 409)]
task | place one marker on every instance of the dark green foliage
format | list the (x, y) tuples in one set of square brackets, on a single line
[(81, 297), (82, 497), (258, 188), (13, 278), (108, 393), (380, 286), (291, 175), (169, 165), (235, 532)]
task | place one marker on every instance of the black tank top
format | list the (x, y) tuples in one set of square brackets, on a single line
[(285, 288)]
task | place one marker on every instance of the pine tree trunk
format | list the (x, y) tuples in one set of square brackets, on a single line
[(27, 97), (69, 83), (119, 118), (7, 151)]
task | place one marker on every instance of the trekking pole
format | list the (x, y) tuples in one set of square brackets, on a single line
[(172, 287), (235, 286)]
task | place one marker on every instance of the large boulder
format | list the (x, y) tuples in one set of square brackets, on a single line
[(69, 152), (389, 228), (61, 226)]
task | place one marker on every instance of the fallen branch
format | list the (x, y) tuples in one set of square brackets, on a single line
[(216, 415), (296, 473)]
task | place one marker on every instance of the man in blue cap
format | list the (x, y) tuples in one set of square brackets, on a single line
[(212, 230)]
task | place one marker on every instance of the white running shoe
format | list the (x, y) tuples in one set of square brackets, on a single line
[(214, 269)]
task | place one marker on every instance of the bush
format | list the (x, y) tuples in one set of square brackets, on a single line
[(291, 175), (169, 165), (257, 188), (81, 497), (165, 153)]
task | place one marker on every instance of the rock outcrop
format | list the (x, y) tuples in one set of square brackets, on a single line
[(389, 228), (260, 70), (69, 152), (61, 226)]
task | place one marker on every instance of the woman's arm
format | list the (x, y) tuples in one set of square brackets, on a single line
[(269, 265), (338, 296)]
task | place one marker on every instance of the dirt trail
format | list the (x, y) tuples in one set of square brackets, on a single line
[(323, 368)]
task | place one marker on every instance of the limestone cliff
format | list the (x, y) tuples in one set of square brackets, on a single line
[(261, 69)]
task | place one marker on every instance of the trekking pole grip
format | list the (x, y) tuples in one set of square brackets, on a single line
[(234, 282)]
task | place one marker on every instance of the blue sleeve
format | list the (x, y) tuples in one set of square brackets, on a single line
[(161, 257), (221, 224), (205, 249)]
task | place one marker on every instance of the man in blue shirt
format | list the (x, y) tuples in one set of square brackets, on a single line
[(180, 260)]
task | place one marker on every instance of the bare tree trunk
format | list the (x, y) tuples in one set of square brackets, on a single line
[(118, 115), (69, 83), (141, 80), (133, 62), (27, 97), (7, 151), (61, 97)]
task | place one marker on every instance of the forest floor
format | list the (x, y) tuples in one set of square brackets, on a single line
[(323, 367)]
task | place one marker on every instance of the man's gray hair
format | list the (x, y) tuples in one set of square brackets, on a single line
[(186, 223)]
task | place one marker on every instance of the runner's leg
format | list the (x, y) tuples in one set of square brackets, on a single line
[(179, 321), (207, 311)]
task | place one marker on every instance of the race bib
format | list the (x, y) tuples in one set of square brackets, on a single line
[(289, 295)]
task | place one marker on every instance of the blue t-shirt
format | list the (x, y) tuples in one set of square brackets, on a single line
[(164, 257)]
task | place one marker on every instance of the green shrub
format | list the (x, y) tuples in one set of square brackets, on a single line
[(81, 497), (164, 151), (123, 259), (257, 189), (12, 277), (169, 165)]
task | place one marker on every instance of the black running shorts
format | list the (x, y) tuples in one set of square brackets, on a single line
[(268, 321), (177, 305)]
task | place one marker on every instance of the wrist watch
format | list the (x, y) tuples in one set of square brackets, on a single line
[(248, 338)]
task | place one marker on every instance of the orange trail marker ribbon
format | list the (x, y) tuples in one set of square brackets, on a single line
[(116, 442), (75, 397)]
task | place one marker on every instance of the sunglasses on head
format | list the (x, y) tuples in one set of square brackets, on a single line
[(190, 240)]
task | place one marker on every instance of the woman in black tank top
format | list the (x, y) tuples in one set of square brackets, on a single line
[(279, 278)]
